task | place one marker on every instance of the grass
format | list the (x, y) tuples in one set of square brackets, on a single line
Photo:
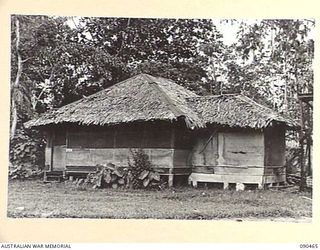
[(63, 200)]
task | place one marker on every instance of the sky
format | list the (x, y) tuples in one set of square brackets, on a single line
[(228, 30)]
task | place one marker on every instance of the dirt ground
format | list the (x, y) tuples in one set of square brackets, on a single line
[(64, 200)]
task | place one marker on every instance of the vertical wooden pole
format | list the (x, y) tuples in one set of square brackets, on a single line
[(309, 158), (65, 160), (115, 132), (67, 137), (301, 158), (52, 133), (308, 119), (220, 159), (170, 177)]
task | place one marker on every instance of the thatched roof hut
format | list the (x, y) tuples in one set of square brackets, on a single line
[(225, 138)]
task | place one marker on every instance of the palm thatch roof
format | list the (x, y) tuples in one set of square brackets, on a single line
[(236, 110), (140, 98), (147, 98)]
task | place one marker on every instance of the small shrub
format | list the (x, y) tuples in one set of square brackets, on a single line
[(143, 175), (27, 148)]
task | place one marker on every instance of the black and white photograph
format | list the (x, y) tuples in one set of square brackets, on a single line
[(161, 118)]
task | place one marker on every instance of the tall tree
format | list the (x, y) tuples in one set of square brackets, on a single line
[(278, 55), (162, 47), (40, 61)]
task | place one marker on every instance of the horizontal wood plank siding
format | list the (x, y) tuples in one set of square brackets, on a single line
[(142, 137), (117, 156), (78, 157)]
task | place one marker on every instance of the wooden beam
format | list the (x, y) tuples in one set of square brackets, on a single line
[(305, 97), (303, 182)]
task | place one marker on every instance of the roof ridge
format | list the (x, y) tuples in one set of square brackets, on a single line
[(155, 84), (172, 106)]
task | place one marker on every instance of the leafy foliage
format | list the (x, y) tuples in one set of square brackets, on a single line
[(141, 169), (23, 172), (139, 175), (108, 176), (277, 58), (292, 160), (161, 47), (27, 149)]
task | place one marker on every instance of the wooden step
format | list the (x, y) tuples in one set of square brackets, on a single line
[(53, 176)]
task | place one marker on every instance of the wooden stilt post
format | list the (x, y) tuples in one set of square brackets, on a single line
[(260, 186), (171, 175), (170, 178), (301, 158)]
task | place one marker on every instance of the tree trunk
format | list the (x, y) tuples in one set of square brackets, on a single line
[(14, 88), (285, 101)]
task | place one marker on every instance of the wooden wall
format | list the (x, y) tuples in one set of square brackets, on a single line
[(161, 158), (245, 156), (229, 148), (205, 149), (241, 148), (173, 150), (133, 136), (88, 147), (80, 149)]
